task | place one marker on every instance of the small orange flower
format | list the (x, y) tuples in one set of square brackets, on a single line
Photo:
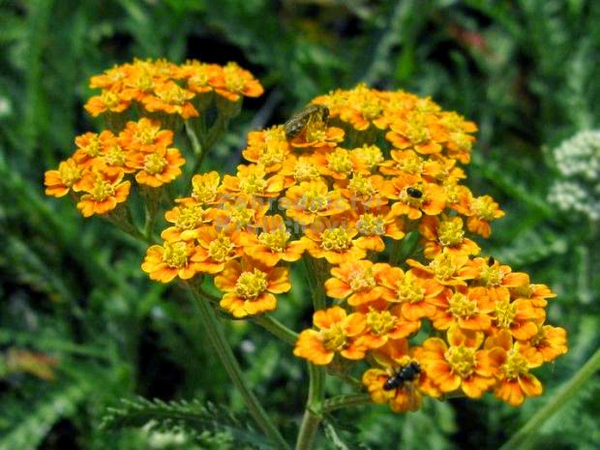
[(103, 191), (418, 296), (273, 243), (232, 82), (393, 357), (91, 146), (518, 316), (59, 182), (418, 131), (334, 243), (550, 342), (446, 268), (252, 180), (357, 281), (206, 188), (446, 232), (216, 247), (157, 168), (469, 309), (515, 361), (482, 211), (187, 218), (414, 199), (250, 286), (145, 136), (108, 101), (461, 364), (311, 199), (164, 263), (337, 333), (317, 135), (497, 278), (170, 98), (384, 324)]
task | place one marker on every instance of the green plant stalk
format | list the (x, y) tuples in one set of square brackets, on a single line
[(313, 412), (221, 346), (344, 401), (527, 434)]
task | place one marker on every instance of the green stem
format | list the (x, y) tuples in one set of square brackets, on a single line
[(343, 401), (313, 412), (276, 328), (314, 409), (530, 431), (223, 350)]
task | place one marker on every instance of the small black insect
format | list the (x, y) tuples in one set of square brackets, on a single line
[(406, 373), (491, 261), (299, 121), (414, 192)]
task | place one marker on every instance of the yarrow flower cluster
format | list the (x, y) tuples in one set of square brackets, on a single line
[(140, 101), (578, 188), (348, 185)]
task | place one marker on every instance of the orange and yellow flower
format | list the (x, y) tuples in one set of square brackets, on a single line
[(103, 190), (173, 259), (250, 286), (337, 333)]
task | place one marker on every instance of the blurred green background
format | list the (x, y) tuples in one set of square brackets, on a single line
[(82, 327)]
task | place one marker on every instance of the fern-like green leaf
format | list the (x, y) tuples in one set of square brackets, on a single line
[(192, 417)]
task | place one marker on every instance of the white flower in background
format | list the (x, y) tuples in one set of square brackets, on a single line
[(577, 189)]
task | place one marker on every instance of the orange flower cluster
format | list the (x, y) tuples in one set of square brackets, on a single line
[(96, 171), (140, 101), (342, 184), (163, 87)]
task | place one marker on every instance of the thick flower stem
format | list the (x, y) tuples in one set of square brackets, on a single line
[(313, 412), (223, 351), (316, 388), (527, 434)]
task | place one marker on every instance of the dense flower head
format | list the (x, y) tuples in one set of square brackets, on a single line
[(367, 187), (144, 102)]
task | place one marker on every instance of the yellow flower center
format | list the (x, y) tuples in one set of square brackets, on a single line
[(146, 134), (94, 147), (110, 99), (234, 81), (371, 155), (336, 239), (361, 186), (443, 267), (204, 188), (411, 164), (221, 248), (461, 360), (199, 78), (370, 107), (175, 254), (450, 232), (334, 338), (462, 306), (173, 95), (155, 163), (462, 140), (242, 216), (274, 134), (483, 208), (409, 291), (275, 241), (516, 364), (362, 280), (69, 173), (491, 275), (102, 190), (272, 154), (339, 161), (416, 129), (315, 198), (189, 217), (253, 184), (251, 284), (115, 156), (305, 171), (370, 224), (538, 338), (380, 322), (505, 313)]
